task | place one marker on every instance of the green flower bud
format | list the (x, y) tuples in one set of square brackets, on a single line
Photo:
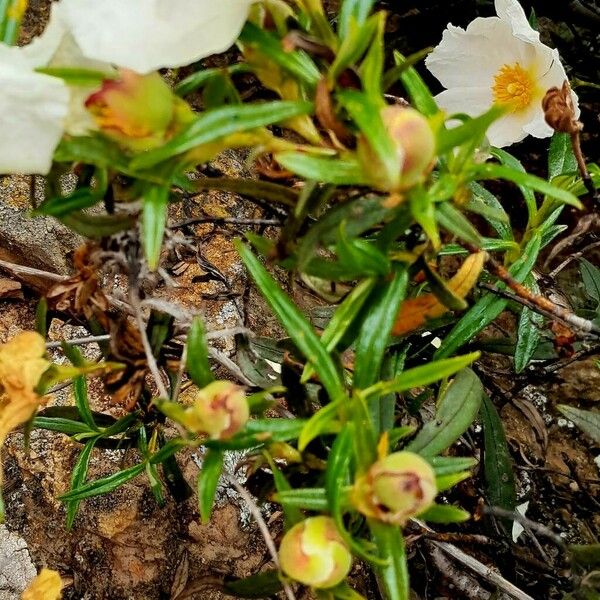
[(219, 410), (313, 553), (414, 140), (396, 488)]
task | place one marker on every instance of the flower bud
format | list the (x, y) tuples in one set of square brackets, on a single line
[(134, 110), (313, 553), (414, 141), (396, 488), (219, 410)]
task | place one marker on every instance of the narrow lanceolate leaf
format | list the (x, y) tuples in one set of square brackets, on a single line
[(212, 465), (489, 306), (78, 477), (416, 311), (497, 463), (154, 220), (339, 171), (298, 328), (391, 547), (355, 11), (197, 363), (421, 376), (587, 420), (444, 513), (528, 330), (375, 330), (104, 485), (220, 122), (417, 89), (455, 413)]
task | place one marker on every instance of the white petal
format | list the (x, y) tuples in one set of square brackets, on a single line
[(33, 108), (472, 57), (508, 130), (145, 35), (511, 12), (472, 101)]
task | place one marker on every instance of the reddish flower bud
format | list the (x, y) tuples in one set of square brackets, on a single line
[(396, 488), (414, 140), (313, 553), (135, 110)]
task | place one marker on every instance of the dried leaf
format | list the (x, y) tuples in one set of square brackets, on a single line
[(416, 311)]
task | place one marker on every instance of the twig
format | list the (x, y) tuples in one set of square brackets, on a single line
[(255, 511), (571, 258), (225, 361), (151, 360), (21, 269), (226, 221), (79, 341), (477, 567), (523, 520)]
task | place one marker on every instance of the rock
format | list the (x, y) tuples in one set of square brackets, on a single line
[(16, 566)]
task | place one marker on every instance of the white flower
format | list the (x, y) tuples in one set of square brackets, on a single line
[(36, 109), (498, 60), (145, 35)]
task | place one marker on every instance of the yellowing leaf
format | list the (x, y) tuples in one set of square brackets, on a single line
[(46, 586), (414, 312)]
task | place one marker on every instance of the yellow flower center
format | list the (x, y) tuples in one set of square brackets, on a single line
[(514, 87)]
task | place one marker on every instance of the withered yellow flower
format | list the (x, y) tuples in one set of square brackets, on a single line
[(22, 364), (46, 586)]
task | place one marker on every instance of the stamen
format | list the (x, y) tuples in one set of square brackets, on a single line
[(513, 87)]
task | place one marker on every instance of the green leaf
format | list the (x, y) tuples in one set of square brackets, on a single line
[(94, 150), (587, 420), (374, 335), (339, 171), (393, 74), (297, 62), (525, 181), (41, 317), (220, 122), (265, 584), (471, 131), (497, 463), (97, 226), (591, 278), (371, 69), (342, 320), (352, 46), (421, 376), (78, 477), (445, 513), (353, 11), (154, 221), (451, 219), (77, 76), (197, 363), (501, 225), (323, 421), (360, 257), (448, 465), (314, 499), (298, 328), (212, 466), (61, 425), (59, 206), (489, 306), (528, 330), (104, 485), (456, 411), (199, 78), (391, 547), (560, 155), (80, 386), (417, 89)]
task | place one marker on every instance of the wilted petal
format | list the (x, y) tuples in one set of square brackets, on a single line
[(145, 35), (33, 109), (46, 586)]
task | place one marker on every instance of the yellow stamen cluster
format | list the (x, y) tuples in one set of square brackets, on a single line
[(513, 87)]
